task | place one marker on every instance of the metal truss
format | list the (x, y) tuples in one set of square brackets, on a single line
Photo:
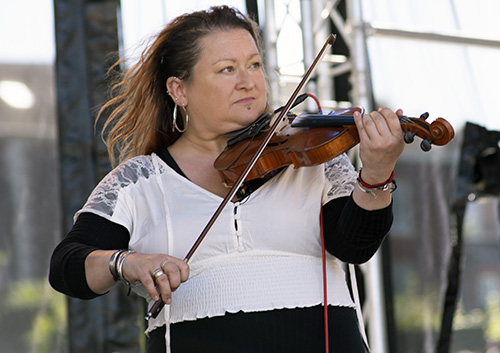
[(316, 20), (349, 66)]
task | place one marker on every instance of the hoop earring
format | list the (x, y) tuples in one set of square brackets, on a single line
[(186, 118), (174, 120)]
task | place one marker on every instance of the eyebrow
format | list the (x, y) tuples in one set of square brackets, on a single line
[(233, 60)]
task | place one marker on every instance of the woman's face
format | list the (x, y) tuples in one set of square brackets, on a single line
[(227, 91)]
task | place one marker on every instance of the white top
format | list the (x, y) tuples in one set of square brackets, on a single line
[(262, 253)]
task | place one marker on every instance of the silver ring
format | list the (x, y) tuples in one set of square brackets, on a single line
[(158, 272)]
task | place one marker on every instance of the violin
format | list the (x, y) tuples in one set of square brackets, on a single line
[(312, 139)]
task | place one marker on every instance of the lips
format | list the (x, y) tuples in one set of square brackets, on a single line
[(245, 101)]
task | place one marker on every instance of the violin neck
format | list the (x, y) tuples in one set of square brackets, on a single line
[(319, 120), (325, 120)]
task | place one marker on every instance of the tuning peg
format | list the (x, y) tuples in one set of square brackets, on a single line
[(426, 145), (410, 136), (424, 116)]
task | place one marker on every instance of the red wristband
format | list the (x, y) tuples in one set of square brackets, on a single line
[(375, 186)]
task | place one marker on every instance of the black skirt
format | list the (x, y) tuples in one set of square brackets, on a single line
[(286, 330)]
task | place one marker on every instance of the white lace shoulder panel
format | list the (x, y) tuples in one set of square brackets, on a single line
[(342, 176), (104, 197)]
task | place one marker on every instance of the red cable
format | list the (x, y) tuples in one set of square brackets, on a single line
[(325, 297), (317, 102)]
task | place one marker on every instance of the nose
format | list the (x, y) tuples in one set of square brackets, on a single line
[(245, 80)]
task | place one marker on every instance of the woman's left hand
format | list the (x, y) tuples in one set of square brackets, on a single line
[(381, 143)]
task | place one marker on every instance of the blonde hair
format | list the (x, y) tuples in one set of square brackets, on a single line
[(140, 121)]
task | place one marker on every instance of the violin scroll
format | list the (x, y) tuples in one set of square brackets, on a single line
[(439, 132)]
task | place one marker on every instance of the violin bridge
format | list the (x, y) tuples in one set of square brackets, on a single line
[(284, 122)]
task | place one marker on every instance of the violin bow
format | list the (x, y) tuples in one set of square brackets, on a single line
[(158, 305)]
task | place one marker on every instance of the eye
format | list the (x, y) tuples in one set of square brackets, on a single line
[(227, 69), (256, 65)]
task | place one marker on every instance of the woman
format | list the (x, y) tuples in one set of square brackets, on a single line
[(255, 283)]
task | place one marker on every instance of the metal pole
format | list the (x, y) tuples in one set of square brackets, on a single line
[(271, 56), (324, 74), (361, 87), (308, 45), (379, 31), (362, 95)]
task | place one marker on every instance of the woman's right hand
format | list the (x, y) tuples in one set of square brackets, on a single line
[(138, 267), (159, 274)]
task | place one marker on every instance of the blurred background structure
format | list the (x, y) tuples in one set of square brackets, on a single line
[(435, 284)]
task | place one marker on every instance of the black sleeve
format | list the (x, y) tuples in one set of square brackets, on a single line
[(353, 234), (67, 264)]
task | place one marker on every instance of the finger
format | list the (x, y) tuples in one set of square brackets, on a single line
[(181, 266), (174, 275), (135, 270), (174, 272), (164, 286), (374, 125), (382, 120), (392, 120), (157, 273), (150, 286), (358, 120)]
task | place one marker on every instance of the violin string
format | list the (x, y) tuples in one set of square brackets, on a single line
[(404, 119)]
